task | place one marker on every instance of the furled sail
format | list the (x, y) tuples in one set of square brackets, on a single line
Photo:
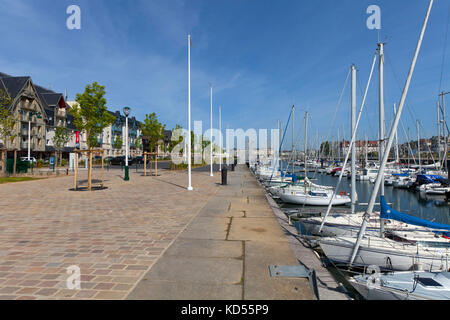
[(388, 213)]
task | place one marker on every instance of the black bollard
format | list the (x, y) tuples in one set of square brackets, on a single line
[(232, 167), (224, 176)]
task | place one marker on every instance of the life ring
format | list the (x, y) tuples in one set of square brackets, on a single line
[(342, 193)]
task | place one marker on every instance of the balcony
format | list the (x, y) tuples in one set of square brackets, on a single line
[(24, 145), (61, 113)]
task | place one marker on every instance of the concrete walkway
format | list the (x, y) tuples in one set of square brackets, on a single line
[(226, 250)]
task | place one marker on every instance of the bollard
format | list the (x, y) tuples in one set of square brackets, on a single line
[(224, 176), (232, 166)]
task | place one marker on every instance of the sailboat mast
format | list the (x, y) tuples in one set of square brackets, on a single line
[(381, 122), (409, 153), (367, 147), (306, 143), (293, 141), (379, 179), (439, 134), (353, 106), (418, 145), (397, 154), (381, 108)]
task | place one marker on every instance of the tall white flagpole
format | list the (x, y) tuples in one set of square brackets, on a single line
[(189, 114), (210, 140)]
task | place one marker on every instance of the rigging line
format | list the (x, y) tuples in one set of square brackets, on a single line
[(338, 105), (410, 110), (279, 150), (407, 140), (352, 142), (423, 131), (444, 51), (366, 112)]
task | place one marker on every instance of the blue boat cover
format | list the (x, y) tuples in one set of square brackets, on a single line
[(388, 213), (286, 175), (428, 178), (405, 174)]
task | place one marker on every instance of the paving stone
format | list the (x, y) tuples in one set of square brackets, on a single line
[(114, 236)]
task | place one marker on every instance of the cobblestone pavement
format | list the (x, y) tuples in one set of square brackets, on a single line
[(114, 236)]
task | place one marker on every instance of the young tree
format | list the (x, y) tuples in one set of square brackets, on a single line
[(153, 130), (138, 144), (61, 138), (204, 143), (7, 123), (117, 142), (174, 142), (91, 116)]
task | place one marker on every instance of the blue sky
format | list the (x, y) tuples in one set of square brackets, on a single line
[(261, 56)]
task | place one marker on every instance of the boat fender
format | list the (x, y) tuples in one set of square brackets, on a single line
[(342, 193)]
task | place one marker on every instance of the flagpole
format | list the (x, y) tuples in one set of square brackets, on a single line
[(189, 114), (210, 140)]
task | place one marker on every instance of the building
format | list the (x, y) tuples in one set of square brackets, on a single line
[(361, 147), (116, 132), (43, 110), (38, 111)]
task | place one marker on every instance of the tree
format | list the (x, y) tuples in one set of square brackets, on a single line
[(204, 143), (153, 130), (91, 116), (7, 123), (138, 144), (117, 142), (174, 142), (61, 138), (325, 148)]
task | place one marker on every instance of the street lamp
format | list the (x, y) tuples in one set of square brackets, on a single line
[(30, 118), (126, 112)]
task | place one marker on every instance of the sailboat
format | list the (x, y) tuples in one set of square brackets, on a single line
[(406, 285), (309, 193), (394, 254), (428, 247)]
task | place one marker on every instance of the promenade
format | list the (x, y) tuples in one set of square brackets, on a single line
[(148, 238)]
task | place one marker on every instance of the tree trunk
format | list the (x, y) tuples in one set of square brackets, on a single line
[(15, 162), (4, 156), (90, 171)]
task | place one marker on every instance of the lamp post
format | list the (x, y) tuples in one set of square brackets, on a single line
[(126, 112), (30, 115)]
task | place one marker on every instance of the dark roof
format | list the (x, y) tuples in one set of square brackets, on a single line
[(52, 99), (14, 84), (119, 116)]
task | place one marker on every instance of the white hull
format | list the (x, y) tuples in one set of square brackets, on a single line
[(386, 254), (311, 200), (409, 285)]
